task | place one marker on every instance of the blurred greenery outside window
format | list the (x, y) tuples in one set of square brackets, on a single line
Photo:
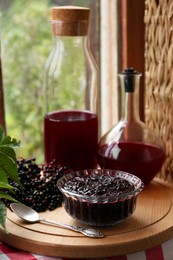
[(26, 42)]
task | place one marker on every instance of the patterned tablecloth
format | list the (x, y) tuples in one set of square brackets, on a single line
[(161, 252)]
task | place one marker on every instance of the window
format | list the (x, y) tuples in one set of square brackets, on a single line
[(115, 29)]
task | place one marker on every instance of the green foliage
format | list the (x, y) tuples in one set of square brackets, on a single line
[(8, 169), (26, 42), (3, 215)]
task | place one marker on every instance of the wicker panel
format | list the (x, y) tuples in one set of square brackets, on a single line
[(159, 75)]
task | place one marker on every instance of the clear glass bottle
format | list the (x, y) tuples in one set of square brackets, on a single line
[(130, 146), (70, 74), (70, 81)]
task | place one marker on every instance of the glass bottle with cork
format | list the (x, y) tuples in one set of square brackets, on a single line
[(130, 145), (70, 81)]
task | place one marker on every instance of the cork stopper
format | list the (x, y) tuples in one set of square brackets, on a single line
[(70, 20)]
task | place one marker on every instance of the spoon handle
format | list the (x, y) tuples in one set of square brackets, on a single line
[(89, 232), (74, 228)]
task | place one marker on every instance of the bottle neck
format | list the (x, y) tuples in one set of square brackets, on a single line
[(69, 42), (70, 34), (130, 106), (133, 126), (131, 113)]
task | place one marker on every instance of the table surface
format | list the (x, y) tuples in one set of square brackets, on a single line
[(123, 239), (163, 251), (160, 252)]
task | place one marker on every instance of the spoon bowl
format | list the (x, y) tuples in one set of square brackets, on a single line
[(30, 215), (24, 212)]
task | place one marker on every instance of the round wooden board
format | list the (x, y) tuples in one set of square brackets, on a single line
[(150, 225)]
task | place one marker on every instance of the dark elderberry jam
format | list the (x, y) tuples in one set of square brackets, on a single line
[(100, 197)]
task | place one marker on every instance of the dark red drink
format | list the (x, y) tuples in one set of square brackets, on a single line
[(71, 137), (141, 159)]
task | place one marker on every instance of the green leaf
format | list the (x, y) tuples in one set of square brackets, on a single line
[(8, 141), (5, 185), (3, 215), (3, 176), (8, 163), (6, 196), (8, 169)]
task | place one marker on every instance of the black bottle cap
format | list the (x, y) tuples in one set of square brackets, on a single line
[(129, 79), (129, 71)]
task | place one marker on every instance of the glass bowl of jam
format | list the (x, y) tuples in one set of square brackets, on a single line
[(100, 197)]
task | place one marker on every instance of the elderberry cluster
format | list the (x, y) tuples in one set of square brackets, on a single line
[(39, 189)]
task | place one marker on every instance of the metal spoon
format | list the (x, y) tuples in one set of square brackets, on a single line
[(30, 215)]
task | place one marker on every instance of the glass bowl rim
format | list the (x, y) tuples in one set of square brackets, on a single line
[(137, 182)]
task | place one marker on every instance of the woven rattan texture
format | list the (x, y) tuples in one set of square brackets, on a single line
[(159, 75)]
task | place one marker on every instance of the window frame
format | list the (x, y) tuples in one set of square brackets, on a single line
[(120, 42)]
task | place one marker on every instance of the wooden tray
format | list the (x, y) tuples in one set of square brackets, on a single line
[(150, 225)]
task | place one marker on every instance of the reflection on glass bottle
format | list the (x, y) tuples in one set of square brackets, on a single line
[(130, 146)]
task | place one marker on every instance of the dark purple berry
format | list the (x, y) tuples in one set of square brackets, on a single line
[(39, 189)]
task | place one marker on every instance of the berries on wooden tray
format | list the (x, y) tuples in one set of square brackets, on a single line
[(39, 182)]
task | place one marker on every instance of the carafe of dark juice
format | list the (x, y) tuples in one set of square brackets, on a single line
[(130, 146), (70, 78)]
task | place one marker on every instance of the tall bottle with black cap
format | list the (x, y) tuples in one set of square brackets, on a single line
[(130, 146)]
